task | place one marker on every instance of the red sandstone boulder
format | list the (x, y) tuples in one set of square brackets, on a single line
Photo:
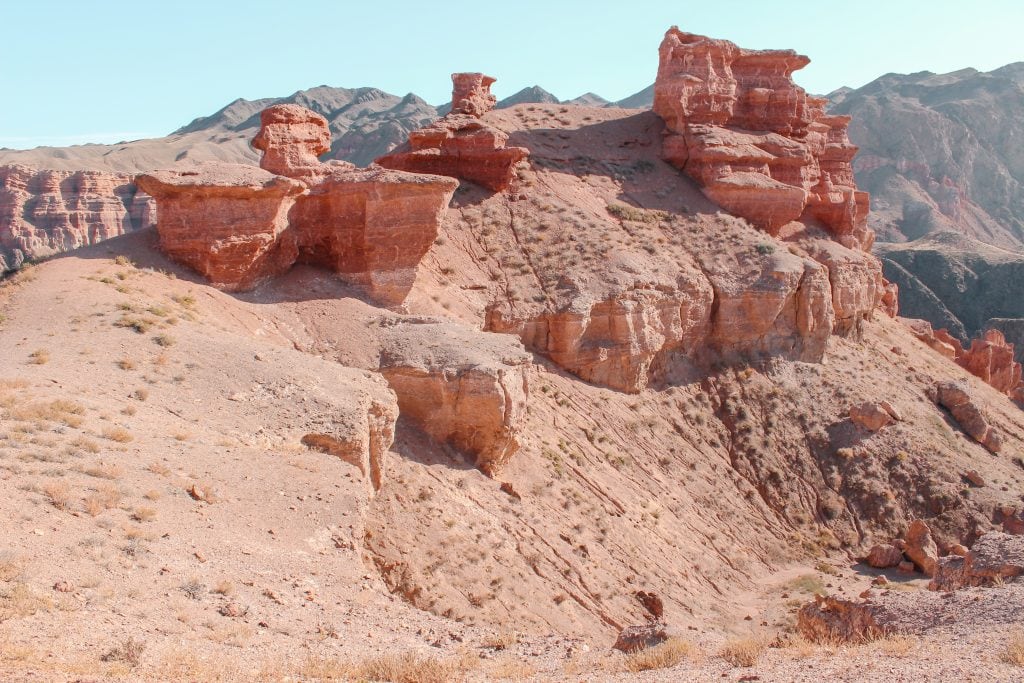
[(225, 221), (46, 212), (956, 398), (755, 142), (856, 281), (921, 548), (890, 303), (884, 556), (460, 145), (871, 416), (471, 94)]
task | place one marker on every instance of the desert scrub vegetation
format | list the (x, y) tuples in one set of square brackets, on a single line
[(39, 357), (743, 652), (1013, 652), (405, 667), (118, 434), (661, 656)]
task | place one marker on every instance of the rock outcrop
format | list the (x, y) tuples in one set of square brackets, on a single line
[(461, 386), (758, 145), (885, 556), (613, 341), (46, 212), (991, 358), (460, 144), (920, 548), (956, 398), (873, 416), (228, 222), (830, 619), (361, 432), (994, 558), (238, 225)]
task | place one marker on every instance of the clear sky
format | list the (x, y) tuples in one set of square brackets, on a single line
[(106, 70)]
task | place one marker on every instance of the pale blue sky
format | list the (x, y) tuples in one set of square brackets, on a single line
[(81, 70)]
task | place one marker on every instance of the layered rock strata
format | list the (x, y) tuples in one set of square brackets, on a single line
[(758, 145), (371, 226), (461, 386), (460, 144), (46, 212)]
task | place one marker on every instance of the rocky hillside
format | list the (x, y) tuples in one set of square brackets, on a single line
[(942, 151), (475, 413)]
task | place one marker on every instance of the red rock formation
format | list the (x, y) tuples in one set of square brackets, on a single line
[(460, 145), (890, 303), (471, 94), (993, 558), (461, 386), (884, 556), (991, 359), (44, 212), (955, 397), (371, 226), (753, 139), (226, 221), (831, 619), (856, 282), (871, 416), (920, 547), (291, 138)]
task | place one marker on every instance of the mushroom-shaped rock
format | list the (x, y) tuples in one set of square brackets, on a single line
[(225, 221), (471, 94), (461, 386), (461, 145), (956, 398)]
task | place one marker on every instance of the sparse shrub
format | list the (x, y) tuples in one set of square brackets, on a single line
[(39, 357), (128, 652), (123, 260), (144, 514), (1013, 653), (58, 493), (126, 364), (118, 434), (743, 652), (662, 656), (193, 588), (765, 248), (164, 340)]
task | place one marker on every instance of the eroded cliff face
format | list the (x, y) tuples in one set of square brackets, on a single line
[(46, 212), (758, 145)]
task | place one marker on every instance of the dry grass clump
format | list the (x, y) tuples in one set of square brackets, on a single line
[(105, 498), (10, 566), (743, 652), (897, 645), (126, 364), (39, 357), (662, 656), (21, 601), (66, 412), (118, 434), (406, 667), (1013, 653), (102, 470), (58, 493), (144, 514), (129, 652)]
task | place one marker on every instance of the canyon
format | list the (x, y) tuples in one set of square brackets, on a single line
[(542, 379)]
